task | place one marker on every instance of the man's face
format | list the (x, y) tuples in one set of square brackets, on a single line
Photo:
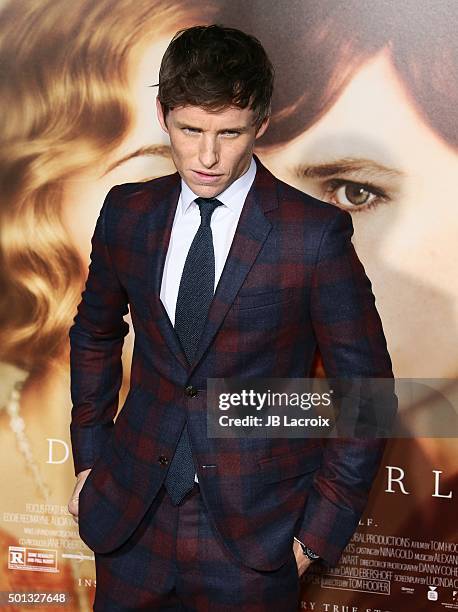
[(210, 149)]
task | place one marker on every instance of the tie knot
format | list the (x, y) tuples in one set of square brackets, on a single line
[(207, 207)]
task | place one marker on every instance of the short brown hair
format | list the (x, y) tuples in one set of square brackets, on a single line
[(215, 67)]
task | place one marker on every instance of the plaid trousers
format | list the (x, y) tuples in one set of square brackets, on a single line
[(175, 561)]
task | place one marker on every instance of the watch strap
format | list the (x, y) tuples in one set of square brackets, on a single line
[(308, 552)]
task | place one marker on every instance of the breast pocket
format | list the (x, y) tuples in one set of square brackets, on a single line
[(264, 316), (248, 300)]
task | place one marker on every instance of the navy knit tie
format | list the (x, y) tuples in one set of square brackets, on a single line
[(193, 302)]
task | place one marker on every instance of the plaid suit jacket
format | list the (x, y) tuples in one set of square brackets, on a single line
[(292, 280)]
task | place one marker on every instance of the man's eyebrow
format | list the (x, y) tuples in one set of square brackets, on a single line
[(151, 150), (346, 165), (241, 129)]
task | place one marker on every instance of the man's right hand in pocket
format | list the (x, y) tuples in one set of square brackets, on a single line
[(73, 503)]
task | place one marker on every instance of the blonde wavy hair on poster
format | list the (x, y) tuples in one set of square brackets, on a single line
[(64, 89)]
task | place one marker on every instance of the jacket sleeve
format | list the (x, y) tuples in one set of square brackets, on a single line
[(352, 343), (96, 341)]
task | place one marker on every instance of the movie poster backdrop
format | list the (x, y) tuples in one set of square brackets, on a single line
[(364, 118)]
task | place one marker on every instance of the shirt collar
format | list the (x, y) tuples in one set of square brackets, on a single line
[(233, 196)]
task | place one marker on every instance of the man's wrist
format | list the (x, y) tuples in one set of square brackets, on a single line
[(308, 552)]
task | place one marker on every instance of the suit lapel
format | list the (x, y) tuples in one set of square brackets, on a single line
[(160, 221), (252, 230)]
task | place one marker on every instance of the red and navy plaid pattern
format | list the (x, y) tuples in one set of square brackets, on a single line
[(292, 281), (175, 561)]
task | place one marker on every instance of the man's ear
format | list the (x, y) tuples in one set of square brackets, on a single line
[(161, 116), (263, 127)]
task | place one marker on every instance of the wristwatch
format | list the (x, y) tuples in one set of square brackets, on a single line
[(308, 552)]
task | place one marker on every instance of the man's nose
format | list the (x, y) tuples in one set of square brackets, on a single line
[(208, 151)]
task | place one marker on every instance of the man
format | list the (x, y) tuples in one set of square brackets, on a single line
[(228, 273)]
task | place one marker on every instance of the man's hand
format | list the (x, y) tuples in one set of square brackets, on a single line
[(302, 561), (73, 503)]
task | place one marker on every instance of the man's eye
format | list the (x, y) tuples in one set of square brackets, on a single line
[(354, 196), (231, 133), (189, 130)]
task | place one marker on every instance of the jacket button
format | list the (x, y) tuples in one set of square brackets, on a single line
[(163, 460), (190, 391)]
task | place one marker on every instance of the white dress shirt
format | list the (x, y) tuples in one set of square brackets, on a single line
[(186, 222)]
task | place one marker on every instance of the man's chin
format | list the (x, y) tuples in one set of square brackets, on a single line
[(207, 191)]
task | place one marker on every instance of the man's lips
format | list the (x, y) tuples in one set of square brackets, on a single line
[(208, 177)]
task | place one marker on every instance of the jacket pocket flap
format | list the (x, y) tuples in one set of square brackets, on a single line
[(282, 467), (269, 298)]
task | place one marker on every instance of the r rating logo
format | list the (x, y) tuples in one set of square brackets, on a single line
[(32, 559)]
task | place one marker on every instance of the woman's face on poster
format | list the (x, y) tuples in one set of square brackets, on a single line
[(373, 155)]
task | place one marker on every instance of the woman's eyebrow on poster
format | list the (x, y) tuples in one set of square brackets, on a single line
[(159, 150), (348, 165)]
